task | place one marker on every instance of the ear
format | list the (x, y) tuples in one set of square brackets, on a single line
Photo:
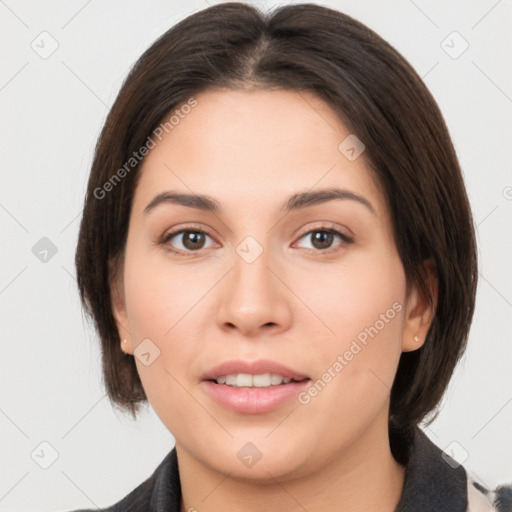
[(419, 312), (118, 305)]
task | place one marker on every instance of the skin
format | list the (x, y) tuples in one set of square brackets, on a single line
[(299, 303)]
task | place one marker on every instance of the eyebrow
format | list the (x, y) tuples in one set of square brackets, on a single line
[(296, 202)]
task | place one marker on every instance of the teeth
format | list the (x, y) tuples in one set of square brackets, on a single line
[(264, 380), (231, 380), (243, 379), (275, 380)]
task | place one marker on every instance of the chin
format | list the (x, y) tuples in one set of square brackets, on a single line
[(259, 461)]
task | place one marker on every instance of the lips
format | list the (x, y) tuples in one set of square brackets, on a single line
[(258, 367), (253, 400)]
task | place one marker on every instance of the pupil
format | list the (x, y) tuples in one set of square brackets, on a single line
[(324, 238), (193, 240)]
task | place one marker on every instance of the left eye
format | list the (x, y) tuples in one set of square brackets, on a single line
[(322, 239)]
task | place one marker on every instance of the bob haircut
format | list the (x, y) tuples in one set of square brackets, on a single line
[(379, 98)]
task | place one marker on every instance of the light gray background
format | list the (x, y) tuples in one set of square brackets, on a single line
[(52, 111)]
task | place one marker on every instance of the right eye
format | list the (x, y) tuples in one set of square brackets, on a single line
[(189, 240)]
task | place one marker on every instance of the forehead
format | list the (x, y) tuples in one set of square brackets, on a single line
[(247, 144)]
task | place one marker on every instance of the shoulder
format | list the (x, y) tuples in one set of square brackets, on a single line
[(435, 481), (481, 499)]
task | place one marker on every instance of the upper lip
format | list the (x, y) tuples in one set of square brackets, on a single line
[(258, 367)]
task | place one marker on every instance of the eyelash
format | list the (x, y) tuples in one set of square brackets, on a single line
[(322, 229)]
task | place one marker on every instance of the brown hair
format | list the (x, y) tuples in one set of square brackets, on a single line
[(377, 95)]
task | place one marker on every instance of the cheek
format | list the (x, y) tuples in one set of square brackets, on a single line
[(165, 304), (356, 364), (161, 295), (366, 289)]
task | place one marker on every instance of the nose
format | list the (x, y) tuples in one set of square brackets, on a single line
[(254, 299)]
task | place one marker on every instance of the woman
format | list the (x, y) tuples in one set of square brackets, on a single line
[(278, 253)]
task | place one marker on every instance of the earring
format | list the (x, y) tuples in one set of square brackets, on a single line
[(416, 339)]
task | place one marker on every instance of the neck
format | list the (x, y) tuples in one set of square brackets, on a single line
[(363, 477)]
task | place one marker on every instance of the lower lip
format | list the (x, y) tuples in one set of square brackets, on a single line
[(254, 400)]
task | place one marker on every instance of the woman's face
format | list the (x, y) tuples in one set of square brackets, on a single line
[(313, 284)]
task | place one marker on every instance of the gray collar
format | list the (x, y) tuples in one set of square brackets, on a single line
[(433, 481)]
